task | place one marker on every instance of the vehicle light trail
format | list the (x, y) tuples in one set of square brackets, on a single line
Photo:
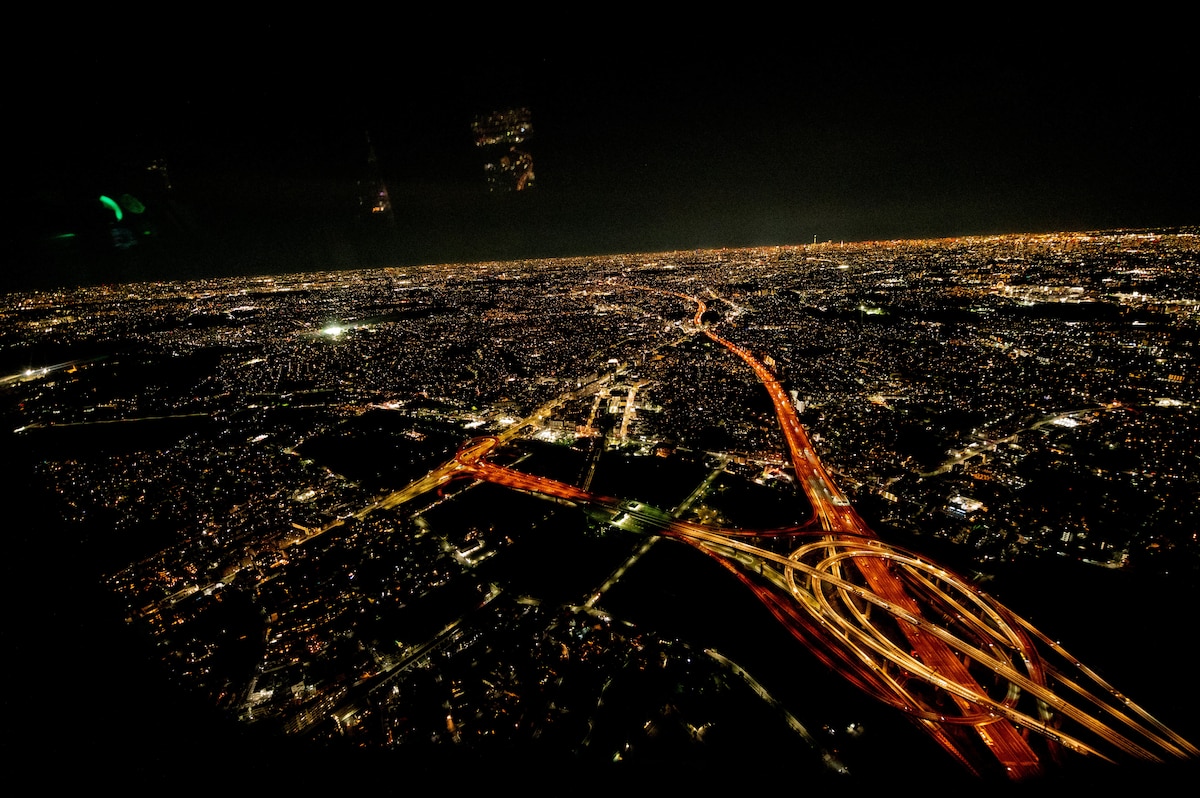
[(901, 628)]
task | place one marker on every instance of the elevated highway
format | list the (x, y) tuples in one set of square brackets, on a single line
[(993, 691), (998, 695)]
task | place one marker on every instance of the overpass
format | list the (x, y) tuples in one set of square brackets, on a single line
[(993, 691)]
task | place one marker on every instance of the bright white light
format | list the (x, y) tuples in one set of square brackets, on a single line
[(333, 330)]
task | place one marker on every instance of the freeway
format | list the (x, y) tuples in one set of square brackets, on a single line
[(453, 468), (931, 658), (997, 694), (936, 656), (900, 627), (829, 607)]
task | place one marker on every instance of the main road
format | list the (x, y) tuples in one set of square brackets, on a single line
[(997, 694), (900, 627), (931, 655)]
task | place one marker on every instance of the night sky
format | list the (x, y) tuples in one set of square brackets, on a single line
[(755, 132), (640, 144)]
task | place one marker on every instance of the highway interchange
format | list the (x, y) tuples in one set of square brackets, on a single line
[(993, 691)]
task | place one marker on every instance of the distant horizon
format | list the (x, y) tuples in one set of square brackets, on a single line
[(260, 162), (217, 274)]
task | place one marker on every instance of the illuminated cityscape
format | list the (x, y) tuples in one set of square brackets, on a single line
[(436, 510), (819, 415)]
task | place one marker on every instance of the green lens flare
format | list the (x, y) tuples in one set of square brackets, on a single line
[(113, 206)]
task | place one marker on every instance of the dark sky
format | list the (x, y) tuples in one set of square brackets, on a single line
[(640, 143)]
